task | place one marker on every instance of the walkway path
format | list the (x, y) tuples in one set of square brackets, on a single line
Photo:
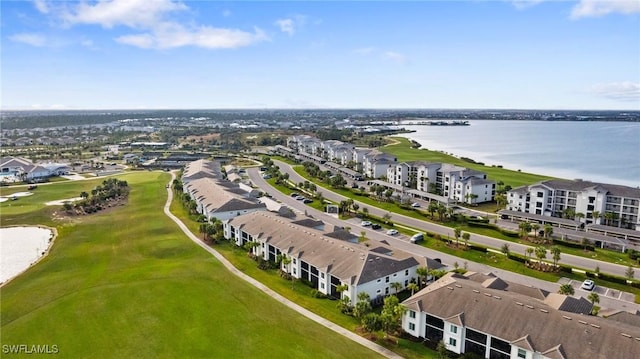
[(316, 318)]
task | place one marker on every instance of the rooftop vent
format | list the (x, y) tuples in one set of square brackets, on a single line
[(458, 285), (625, 335), (520, 304), (476, 291), (495, 296), (544, 311), (567, 318), (582, 322), (595, 326), (487, 294), (529, 306)]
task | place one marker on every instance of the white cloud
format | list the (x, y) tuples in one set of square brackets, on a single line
[(42, 6), (596, 8), (131, 13), (156, 28), (291, 24), (286, 25), (525, 4), (173, 35), (396, 57), (624, 91), (226, 13), (29, 39)]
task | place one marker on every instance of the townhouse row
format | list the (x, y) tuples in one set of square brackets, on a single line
[(492, 318), (454, 183), (595, 205), (319, 257)]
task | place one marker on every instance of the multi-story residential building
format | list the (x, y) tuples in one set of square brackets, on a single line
[(453, 182), (376, 163), (214, 196), (496, 319), (322, 260), (588, 202)]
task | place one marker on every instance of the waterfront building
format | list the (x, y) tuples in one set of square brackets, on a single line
[(588, 202)]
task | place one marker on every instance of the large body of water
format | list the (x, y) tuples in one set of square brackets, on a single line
[(606, 152)]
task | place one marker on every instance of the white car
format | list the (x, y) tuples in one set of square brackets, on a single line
[(392, 232), (588, 285), (415, 204), (365, 223)]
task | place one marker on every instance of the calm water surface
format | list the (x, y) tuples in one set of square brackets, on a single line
[(607, 152)]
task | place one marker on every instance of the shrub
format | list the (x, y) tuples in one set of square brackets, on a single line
[(318, 294), (613, 279), (509, 233), (517, 258)]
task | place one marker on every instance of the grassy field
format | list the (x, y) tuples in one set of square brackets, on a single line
[(127, 283), (401, 148)]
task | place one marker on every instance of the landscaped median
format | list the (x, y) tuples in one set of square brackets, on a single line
[(484, 256)]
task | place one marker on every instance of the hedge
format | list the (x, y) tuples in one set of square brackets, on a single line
[(589, 247), (611, 278)]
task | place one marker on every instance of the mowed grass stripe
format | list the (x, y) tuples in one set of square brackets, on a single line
[(127, 283)]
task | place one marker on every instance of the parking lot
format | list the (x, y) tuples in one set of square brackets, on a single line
[(602, 291)]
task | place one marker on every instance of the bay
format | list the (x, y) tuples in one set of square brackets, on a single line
[(605, 152)]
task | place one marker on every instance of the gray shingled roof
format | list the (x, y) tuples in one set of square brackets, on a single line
[(512, 316)]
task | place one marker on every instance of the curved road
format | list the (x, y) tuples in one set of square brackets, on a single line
[(316, 318), (574, 261), (404, 244)]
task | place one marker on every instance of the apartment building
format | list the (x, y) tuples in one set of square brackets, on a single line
[(588, 202), (323, 260), (454, 182), (496, 319)]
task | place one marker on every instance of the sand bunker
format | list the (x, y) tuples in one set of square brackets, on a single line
[(60, 202), (21, 247)]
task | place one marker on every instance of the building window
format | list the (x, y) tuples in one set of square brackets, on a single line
[(453, 329), (321, 285), (294, 261), (406, 272), (386, 280), (322, 275), (452, 342), (522, 354), (412, 326), (412, 314)]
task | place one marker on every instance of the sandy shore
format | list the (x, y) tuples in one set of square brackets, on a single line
[(21, 247)]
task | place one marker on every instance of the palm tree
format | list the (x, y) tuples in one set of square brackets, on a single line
[(501, 200), (541, 253), (525, 228), (585, 242), (505, 249), (442, 209), (396, 286), (555, 252), (629, 273), (365, 212), (594, 298), (579, 216), (413, 287), (423, 273), (528, 251), (456, 233), (535, 227), (363, 305), (596, 216), (566, 289), (466, 236), (548, 231), (609, 216), (433, 208)]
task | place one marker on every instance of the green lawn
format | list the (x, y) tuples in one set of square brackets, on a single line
[(403, 151), (128, 283)]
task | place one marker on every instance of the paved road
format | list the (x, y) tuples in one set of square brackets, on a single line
[(575, 261), (401, 242), (316, 318)]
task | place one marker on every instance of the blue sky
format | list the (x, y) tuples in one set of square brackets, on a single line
[(136, 54)]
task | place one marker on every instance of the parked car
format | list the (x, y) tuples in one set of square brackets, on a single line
[(415, 204), (417, 238), (588, 285), (376, 226), (365, 223), (307, 200), (300, 198), (295, 194), (392, 232)]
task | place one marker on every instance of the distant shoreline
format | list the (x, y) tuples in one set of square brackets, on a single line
[(541, 171)]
